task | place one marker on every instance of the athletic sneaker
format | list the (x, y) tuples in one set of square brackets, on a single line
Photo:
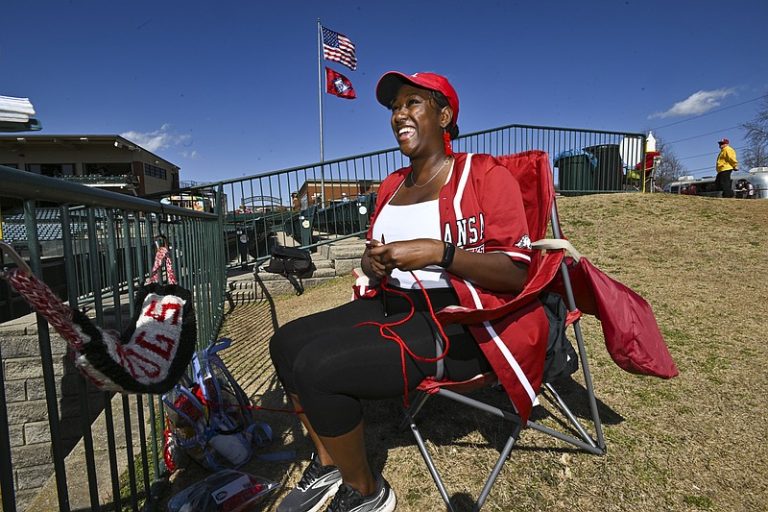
[(348, 499), (317, 484)]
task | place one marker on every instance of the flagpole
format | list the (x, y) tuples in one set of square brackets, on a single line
[(320, 102)]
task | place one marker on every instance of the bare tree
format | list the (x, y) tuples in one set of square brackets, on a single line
[(756, 154), (670, 168)]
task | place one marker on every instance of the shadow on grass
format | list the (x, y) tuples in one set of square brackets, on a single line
[(443, 422), (269, 299), (439, 423), (575, 395)]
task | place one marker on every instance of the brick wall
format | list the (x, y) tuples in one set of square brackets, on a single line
[(25, 399)]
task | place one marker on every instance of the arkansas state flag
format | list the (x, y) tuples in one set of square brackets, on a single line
[(338, 85)]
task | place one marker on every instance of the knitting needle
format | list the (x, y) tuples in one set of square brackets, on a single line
[(383, 291)]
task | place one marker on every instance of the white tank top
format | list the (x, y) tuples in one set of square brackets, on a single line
[(406, 222)]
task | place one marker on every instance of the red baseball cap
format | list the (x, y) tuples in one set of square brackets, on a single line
[(723, 141), (391, 81)]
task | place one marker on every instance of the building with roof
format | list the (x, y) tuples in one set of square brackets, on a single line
[(109, 162), (314, 191)]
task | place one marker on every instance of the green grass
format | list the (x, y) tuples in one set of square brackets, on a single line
[(701, 502)]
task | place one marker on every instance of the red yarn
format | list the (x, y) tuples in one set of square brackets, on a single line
[(44, 301), (386, 331), (447, 143)]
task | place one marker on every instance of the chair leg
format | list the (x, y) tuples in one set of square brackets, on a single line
[(571, 303), (560, 403), (588, 383), (416, 405), (504, 454), (430, 463), (497, 468)]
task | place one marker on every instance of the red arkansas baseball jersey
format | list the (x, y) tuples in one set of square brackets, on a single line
[(481, 210)]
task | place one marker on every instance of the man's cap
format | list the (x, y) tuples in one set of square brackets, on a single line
[(391, 81), (723, 141)]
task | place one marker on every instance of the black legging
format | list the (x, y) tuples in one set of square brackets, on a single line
[(331, 364)]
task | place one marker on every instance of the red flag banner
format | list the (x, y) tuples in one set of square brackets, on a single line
[(338, 48), (338, 85)]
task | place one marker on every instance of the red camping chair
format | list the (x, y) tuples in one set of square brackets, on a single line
[(532, 171)]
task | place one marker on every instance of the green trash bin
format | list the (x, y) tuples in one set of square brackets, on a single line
[(609, 174), (576, 171)]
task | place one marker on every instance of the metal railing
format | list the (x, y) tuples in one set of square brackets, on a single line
[(105, 253), (318, 203)]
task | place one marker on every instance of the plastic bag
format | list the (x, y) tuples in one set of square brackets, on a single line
[(227, 490), (209, 417)]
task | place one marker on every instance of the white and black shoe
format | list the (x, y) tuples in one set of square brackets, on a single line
[(317, 484), (348, 499)]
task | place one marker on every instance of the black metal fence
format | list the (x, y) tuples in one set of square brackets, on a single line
[(317, 203), (102, 251)]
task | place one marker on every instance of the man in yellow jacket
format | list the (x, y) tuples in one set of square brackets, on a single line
[(726, 164)]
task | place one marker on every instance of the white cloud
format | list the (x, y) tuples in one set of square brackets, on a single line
[(158, 139), (192, 155), (697, 103)]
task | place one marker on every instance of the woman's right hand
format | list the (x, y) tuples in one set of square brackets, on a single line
[(373, 267)]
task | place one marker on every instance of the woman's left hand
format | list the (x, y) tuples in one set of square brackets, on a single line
[(408, 254)]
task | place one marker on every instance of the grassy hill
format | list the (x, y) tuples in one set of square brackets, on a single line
[(696, 442)]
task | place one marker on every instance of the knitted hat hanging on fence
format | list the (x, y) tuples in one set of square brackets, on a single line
[(151, 355)]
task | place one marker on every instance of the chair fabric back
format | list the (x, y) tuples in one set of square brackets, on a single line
[(532, 171)]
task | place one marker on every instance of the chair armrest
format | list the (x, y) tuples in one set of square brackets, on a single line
[(555, 244)]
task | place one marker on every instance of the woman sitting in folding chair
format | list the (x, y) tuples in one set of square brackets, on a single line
[(450, 227)]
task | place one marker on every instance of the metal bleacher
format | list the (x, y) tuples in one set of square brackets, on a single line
[(48, 226)]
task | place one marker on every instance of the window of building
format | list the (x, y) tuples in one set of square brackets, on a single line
[(52, 170), (155, 171), (107, 169)]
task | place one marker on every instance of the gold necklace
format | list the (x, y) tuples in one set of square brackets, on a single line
[(445, 162)]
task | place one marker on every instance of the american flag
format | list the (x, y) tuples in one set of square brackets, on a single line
[(338, 48)]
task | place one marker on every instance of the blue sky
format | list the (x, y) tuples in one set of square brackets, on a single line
[(225, 89)]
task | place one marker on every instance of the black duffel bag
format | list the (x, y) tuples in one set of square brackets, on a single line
[(293, 263)]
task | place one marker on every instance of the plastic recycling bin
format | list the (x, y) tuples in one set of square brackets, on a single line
[(576, 171), (608, 175)]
